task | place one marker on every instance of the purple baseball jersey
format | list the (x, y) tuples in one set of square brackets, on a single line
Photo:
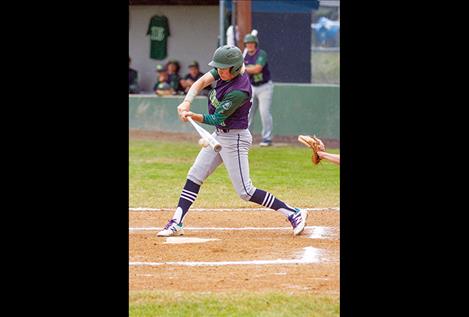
[(259, 57), (239, 119)]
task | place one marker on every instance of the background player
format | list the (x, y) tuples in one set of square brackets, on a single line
[(262, 88), (228, 104)]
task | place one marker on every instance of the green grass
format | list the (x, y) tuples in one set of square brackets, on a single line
[(146, 304), (158, 170)]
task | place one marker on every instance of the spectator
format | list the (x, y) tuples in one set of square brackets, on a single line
[(162, 86), (191, 77), (133, 80), (174, 78)]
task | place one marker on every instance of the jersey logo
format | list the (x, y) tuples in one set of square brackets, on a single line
[(157, 33), (226, 105), (258, 77)]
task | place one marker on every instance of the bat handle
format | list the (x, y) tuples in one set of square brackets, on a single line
[(192, 122)]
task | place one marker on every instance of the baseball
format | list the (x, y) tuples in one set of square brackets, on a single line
[(203, 142)]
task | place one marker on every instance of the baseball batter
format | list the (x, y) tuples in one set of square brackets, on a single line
[(228, 109)]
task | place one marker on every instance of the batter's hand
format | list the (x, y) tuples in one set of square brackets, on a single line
[(184, 106), (184, 114)]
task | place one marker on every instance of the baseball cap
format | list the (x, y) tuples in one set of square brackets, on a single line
[(161, 68), (194, 64), (173, 61)]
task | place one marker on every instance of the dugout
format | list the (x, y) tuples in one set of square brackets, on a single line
[(193, 35), (284, 33)]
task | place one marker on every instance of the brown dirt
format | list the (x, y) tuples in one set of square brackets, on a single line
[(136, 134), (321, 278)]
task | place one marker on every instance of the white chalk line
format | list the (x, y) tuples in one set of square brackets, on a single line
[(213, 228), (317, 231), (183, 240), (310, 255), (143, 209)]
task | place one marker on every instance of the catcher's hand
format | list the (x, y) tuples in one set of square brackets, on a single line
[(315, 144)]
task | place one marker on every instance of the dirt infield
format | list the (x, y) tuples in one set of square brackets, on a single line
[(224, 264), (136, 134)]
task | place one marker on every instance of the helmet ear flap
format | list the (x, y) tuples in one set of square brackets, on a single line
[(234, 70)]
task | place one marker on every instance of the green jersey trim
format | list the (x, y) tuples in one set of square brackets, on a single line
[(261, 58), (214, 73)]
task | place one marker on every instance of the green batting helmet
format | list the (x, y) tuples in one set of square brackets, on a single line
[(249, 38), (228, 56)]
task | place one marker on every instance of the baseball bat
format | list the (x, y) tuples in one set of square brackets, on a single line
[(204, 134)]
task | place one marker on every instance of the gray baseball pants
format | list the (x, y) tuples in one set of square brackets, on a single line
[(262, 99), (234, 154)]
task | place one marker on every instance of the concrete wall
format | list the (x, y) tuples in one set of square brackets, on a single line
[(296, 109), (194, 36)]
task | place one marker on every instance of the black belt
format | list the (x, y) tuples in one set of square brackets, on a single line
[(224, 130), (258, 84)]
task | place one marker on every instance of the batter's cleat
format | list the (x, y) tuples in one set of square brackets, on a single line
[(298, 220), (171, 229)]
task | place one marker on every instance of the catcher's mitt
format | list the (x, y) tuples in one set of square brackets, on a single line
[(315, 144)]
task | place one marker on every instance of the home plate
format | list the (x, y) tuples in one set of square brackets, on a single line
[(187, 240)]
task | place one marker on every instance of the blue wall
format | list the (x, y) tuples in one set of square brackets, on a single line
[(286, 37)]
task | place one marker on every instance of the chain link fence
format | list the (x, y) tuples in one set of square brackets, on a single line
[(325, 49)]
